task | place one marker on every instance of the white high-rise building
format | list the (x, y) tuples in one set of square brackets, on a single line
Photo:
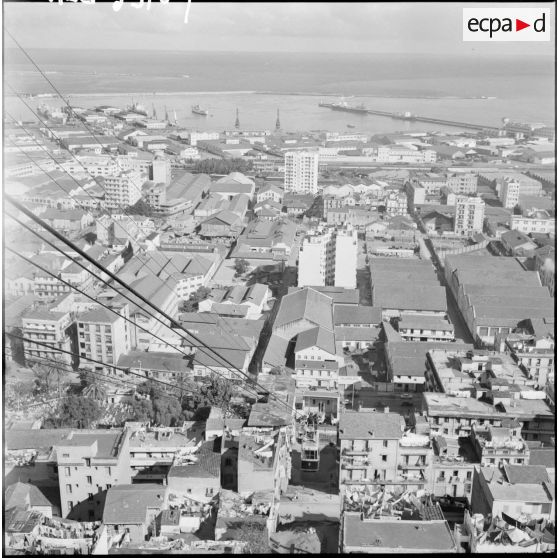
[(123, 190), (161, 170), (301, 172), (509, 192), (469, 215), (328, 257)]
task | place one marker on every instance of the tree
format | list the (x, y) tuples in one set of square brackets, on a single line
[(140, 410), (241, 266), (90, 237), (216, 393), (50, 377), (167, 411), (191, 305), (222, 166), (96, 390), (75, 412)]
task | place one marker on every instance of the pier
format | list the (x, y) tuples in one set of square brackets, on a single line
[(408, 117)]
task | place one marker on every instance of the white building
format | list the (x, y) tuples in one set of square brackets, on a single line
[(161, 170), (509, 192), (123, 190), (469, 215), (396, 203), (103, 336), (540, 221), (329, 257), (463, 183), (194, 137), (301, 172)]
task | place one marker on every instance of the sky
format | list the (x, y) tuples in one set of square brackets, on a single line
[(390, 27)]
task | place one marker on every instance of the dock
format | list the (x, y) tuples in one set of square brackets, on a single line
[(409, 117)]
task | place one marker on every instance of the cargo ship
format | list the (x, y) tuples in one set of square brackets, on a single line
[(196, 109), (138, 109), (343, 106)]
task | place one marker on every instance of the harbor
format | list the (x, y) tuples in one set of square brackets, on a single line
[(360, 109)]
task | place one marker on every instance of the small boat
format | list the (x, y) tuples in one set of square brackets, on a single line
[(196, 109)]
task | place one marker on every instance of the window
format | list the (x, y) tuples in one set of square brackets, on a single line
[(70, 504), (109, 486), (87, 462), (107, 469), (90, 496), (89, 480), (384, 457), (385, 443), (189, 490), (67, 471), (469, 474), (69, 488)]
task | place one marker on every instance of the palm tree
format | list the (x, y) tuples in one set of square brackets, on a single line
[(96, 390)]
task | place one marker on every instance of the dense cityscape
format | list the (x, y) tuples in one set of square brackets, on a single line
[(275, 341)]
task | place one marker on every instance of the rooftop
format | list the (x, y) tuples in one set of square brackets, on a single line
[(351, 314), (127, 504), (398, 535), (367, 426), (305, 304), (205, 463)]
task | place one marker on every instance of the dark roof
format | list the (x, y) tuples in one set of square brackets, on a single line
[(410, 297), (23, 493), (208, 464), (316, 337), (169, 362), (351, 314), (526, 474), (127, 504), (543, 456), (305, 304)]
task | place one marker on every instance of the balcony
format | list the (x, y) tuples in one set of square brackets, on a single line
[(350, 466), (347, 451)]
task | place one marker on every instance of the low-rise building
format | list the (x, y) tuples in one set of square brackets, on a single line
[(514, 490), (385, 536), (133, 509), (414, 327)]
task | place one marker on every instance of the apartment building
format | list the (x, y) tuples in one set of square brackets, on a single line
[(53, 326), (369, 444), (123, 190), (89, 463), (103, 336), (509, 192), (328, 257), (469, 215), (301, 172), (396, 203), (462, 183), (538, 221)]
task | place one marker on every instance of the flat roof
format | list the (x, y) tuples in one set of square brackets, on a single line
[(396, 534), (368, 426)]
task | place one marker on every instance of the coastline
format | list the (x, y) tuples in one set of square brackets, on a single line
[(253, 92)]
